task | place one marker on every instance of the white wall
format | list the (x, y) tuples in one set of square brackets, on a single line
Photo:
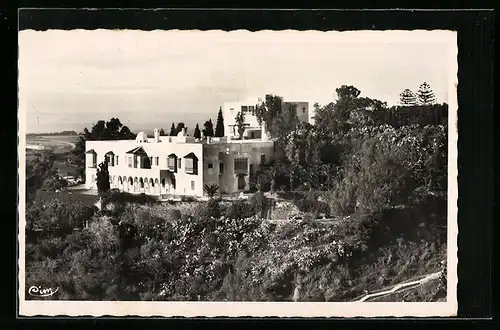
[(219, 153), (160, 150)]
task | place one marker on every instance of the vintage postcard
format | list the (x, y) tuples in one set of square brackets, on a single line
[(237, 173)]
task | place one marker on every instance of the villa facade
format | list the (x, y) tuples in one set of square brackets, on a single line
[(178, 165), (247, 107)]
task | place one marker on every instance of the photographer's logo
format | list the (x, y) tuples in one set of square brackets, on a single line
[(38, 291)]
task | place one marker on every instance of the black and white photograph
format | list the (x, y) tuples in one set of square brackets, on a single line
[(237, 173)]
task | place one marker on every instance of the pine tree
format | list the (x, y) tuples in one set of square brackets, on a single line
[(426, 95), (209, 128), (173, 131), (408, 98), (197, 132), (219, 127)]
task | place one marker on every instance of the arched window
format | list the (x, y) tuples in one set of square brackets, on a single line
[(141, 183)]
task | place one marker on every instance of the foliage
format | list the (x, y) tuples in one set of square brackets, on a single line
[(57, 214), (211, 190), (260, 204), (121, 198), (36, 170), (54, 183), (208, 129), (157, 253), (388, 165), (180, 127), (408, 98), (197, 132), (67, 197), (41, 174), (240, 124), (188, 199), (426, 95), (173, 130), (240, 209), (102, 178), (219, 126), (111, 130)]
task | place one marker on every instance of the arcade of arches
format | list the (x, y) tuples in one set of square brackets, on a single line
[(152, 186)]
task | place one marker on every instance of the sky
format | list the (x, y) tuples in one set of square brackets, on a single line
[(71, 79)]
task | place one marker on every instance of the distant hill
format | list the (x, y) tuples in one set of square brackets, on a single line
[(53, 133)]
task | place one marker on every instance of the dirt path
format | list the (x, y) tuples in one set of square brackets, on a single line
[(401, 287)]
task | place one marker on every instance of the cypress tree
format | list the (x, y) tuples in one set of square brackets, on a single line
[(219, 126), (173, 131), (197, 132)]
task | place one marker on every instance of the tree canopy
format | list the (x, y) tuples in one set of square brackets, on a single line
[(179, 128), (408, 98), (208, 128), (102, 130), (240, 124), (426, 95)]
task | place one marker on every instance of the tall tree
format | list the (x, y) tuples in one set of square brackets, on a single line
[(219, 127), (180, 127), (102, 130), (347, 91), (173, 131), (209, 128), (162, 132), (240, 124), (347, 111), (407, 98), (103, 185), (197, 132), (269, 111), (426, 95)]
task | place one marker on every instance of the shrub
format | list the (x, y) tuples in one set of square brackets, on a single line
[(119, 197), (211, 190), (260, 204), (240, 209), (188, 199), (212, 208), (57, 214)]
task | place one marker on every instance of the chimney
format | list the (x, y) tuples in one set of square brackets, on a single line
[(157, 135)]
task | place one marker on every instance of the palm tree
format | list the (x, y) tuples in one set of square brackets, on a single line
[(211, 190)]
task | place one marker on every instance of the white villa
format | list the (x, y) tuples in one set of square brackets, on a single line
[(182, 165), (247, 107), (177, 165)]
